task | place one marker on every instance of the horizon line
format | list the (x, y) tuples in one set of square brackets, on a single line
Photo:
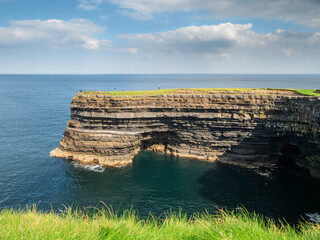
[(159, 73)]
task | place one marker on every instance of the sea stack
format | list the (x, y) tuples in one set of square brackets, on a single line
[(236, 126)]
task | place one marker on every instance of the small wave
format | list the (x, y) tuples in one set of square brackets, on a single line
[(313, 217), (263, 172), (93, 168)]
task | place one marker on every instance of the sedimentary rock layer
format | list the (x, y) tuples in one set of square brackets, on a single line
[(236, 127)]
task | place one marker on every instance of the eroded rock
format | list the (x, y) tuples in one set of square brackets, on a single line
[(230, 127)]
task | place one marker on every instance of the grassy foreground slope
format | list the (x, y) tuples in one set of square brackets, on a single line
[(308, 92), (33, 224)]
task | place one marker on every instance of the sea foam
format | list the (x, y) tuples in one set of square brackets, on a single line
[(313, 217), (93, 168)]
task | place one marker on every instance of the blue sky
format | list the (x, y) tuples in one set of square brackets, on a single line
[(164, 36)]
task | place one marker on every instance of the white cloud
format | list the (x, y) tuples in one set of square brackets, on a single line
[(89, 5), (199, 39), (226, 41), (75, 33), (299, 11), (132, 50), (288, 51)]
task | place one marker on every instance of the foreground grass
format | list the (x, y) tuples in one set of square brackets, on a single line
[(308, 92), (104, 224)]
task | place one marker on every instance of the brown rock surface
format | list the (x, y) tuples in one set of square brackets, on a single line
[(234, 127)]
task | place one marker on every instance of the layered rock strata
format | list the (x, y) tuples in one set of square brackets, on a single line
[(237, 127)]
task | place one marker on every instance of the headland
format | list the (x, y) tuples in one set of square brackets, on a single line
[(238, 126)]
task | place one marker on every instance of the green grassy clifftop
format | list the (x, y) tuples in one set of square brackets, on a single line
[(307, 92)]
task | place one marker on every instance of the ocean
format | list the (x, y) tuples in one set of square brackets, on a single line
[(34, 110)]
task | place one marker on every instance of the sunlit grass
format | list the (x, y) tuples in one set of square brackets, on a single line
[(106, 224), (133, 93), (309, 92)]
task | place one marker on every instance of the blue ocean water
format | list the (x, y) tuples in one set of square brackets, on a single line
[(34, 110)]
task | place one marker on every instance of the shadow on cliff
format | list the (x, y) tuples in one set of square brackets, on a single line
[(275, 181), (271, 148)]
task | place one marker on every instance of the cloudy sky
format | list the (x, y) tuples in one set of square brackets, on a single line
[(159, 36)]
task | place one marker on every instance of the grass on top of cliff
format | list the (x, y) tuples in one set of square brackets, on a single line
[(308, 92), (105, 224)]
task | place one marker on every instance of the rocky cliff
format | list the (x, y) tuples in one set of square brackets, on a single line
[(253, 127)]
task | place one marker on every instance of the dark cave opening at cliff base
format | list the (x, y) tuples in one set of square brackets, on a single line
[(285, 151), (290, 155), (158, 141)]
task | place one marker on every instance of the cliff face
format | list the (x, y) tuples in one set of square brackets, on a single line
[(235, 127)]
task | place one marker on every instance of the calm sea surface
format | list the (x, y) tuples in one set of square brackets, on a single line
[(34, 110)]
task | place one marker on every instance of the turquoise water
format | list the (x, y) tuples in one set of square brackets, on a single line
[(34, 110)]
